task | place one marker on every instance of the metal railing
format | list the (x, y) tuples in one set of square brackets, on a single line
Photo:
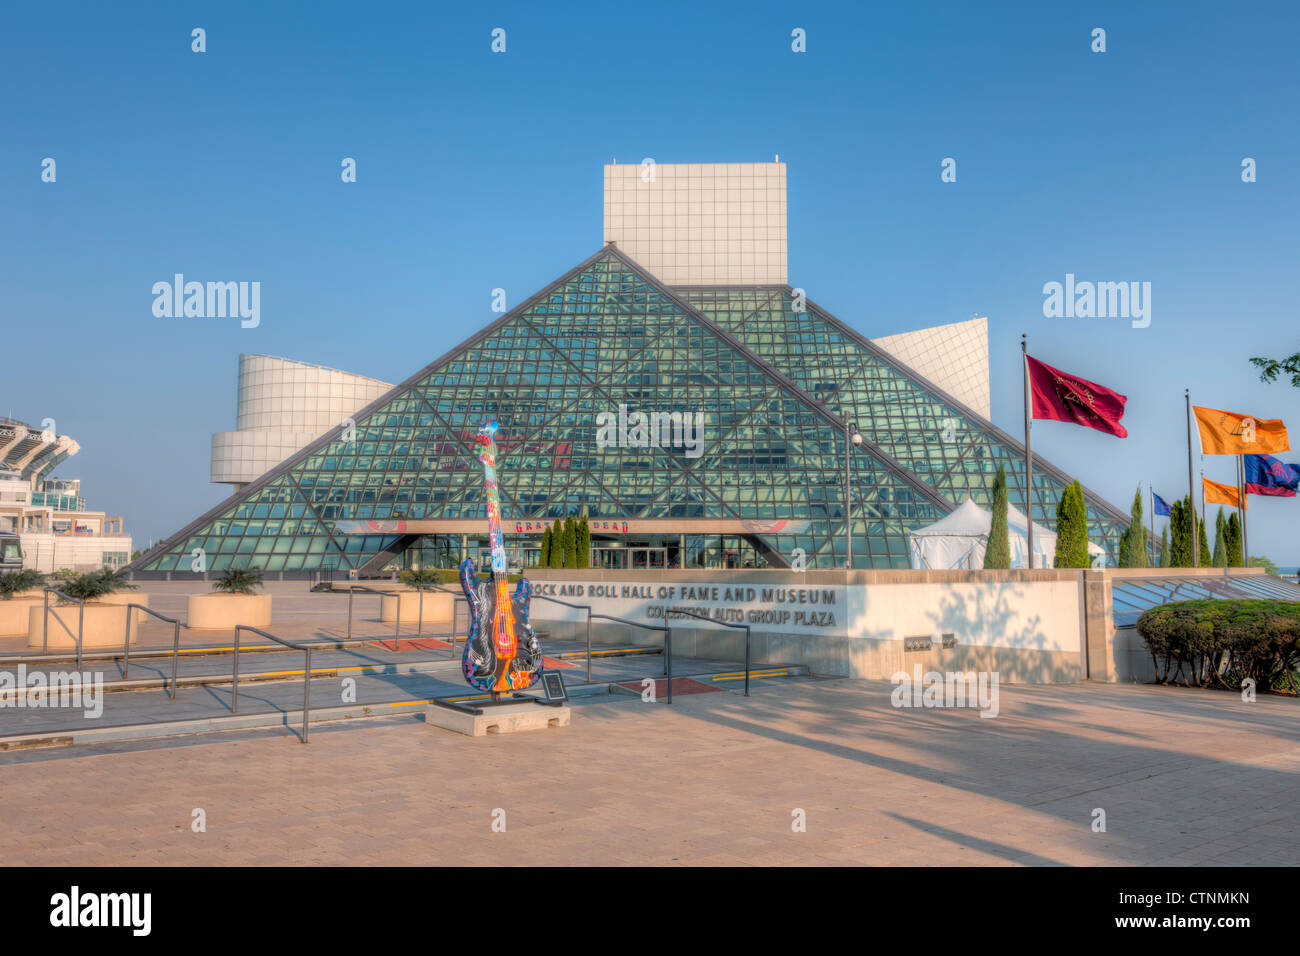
[(306, 674), (668, 643), (397, 623), (580, 607), (744, 627), (667, 629), (457, 596), (176, 642), (45, 626)]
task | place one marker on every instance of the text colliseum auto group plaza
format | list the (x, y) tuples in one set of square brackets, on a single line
[(702, 411)]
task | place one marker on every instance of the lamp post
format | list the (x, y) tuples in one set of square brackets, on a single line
[(851, 437)]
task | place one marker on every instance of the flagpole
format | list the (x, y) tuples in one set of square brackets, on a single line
[(1152, 488), (1241, 509), (1029, 461), (1191, 483), (1207, 530)]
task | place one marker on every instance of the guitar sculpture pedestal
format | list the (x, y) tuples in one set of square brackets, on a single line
[(498, 717), (502, 655)]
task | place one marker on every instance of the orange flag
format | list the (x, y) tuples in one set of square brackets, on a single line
[(1227, 433), (1217, 494)]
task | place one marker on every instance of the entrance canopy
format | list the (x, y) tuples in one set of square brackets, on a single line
[(960, 539)]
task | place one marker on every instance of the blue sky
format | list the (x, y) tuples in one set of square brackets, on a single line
[(479, 170)]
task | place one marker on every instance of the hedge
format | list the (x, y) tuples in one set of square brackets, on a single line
[(1212, 642)]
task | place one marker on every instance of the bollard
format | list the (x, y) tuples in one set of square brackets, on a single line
[(668, 645), (306, 695), (176, 650), (126, 648)]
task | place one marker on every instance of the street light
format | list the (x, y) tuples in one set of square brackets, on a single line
[(851, 437)]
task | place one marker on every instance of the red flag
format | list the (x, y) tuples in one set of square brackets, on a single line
[(1062, 397)]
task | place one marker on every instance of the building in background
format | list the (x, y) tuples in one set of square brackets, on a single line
[(282, 406), (685, 313), (48, 514)]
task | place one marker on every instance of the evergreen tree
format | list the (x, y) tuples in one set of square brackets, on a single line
[(1072, 529), (1135, 554), (1232, 536), (557, 545), (1221, 540), (998, 553), (584, 541), (1164, 547), (570, 542), (545, 560), (1181, 517), (1207, 559)]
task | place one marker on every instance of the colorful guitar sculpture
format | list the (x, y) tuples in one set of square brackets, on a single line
[(502, 654)]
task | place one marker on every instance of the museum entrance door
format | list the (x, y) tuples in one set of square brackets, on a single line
[(648, 558)]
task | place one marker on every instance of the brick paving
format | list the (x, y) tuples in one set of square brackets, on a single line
[(1184, 777)]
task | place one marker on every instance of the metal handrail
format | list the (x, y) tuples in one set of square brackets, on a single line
[(176, 642), (744, 627), (459, 596), (45, 625), (668, 644), (397, 623), (306, 674), (581, 607), (420, 613), (667, 629)]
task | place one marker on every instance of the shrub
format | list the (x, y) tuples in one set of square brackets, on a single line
[(238, 581), (93, 584), (114, 580), (12, 582), (1222, 642), (421, 579), (1259, 561)]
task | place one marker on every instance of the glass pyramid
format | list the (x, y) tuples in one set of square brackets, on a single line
[(604, 335)]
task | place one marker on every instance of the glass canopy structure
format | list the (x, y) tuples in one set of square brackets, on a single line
[(769, 385)]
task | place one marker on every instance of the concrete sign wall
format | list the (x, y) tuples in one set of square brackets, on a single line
[(786, 609), (1028, 625)]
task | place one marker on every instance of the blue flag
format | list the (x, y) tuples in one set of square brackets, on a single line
[(1159, 504), (1265, 475)]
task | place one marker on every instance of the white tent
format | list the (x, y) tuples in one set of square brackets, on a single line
[(960, 539)]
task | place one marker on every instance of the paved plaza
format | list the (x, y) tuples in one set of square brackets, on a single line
[(1184, 777)]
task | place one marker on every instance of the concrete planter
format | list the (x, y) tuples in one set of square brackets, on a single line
[(127, 597), (104, 625), (13, 615), (218, 611), (438, 607)]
